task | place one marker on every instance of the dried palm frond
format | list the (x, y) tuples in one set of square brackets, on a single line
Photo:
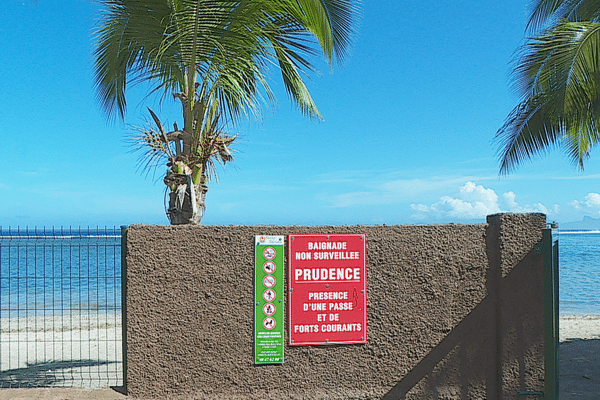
[(155, 151)]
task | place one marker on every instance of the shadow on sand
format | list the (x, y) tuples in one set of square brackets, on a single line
[(51, 374), (580, 369)]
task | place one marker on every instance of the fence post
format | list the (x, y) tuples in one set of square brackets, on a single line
[(124, 229), (550, 254)]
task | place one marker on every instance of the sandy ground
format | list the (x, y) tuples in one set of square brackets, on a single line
[(579, 327), (579, 356), (61, 351), (61, 394), (51, 354)]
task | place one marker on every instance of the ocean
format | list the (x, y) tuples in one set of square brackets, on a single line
[(579, 272), (75, 271), (58, 272)]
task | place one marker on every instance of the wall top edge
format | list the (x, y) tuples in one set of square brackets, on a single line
[(509, 214), (303, 226), (350, 226)]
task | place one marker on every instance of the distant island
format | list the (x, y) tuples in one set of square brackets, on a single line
[(587, 224)]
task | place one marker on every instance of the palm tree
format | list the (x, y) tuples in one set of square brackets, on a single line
[(557, 74), (212, 56)]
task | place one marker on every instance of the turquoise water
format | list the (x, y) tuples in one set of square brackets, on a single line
[(579, 272)]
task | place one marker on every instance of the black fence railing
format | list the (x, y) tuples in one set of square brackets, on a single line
[(60, 308)]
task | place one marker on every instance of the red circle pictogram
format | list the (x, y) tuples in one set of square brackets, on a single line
[(269, 295), (269, 309), (269, 323), (269, 281), (269, 253), (269, 267)]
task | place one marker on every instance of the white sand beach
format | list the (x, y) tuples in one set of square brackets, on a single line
[(82, 350), (572, 327), (85, 351)]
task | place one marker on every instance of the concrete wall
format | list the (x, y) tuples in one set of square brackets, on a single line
[(454, 312)]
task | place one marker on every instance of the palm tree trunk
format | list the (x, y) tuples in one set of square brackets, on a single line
[(200, 203), (187, 201)]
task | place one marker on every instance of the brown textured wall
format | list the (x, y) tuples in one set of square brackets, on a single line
[(453, 313)]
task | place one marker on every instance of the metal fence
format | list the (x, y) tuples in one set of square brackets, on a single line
[(61, 308)]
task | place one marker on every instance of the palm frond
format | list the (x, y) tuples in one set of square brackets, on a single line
[(560, 62), (332, 22), (154, 152), (528, 130), (544, 11), (294, 84), (583, 134), (558, 75), (163, 134), (548, 13), (583, 10), (131, 34)]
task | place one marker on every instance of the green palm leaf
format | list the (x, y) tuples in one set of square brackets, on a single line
[(558, 76), (547, 13)]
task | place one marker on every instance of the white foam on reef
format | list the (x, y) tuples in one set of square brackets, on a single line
[(576, 232)]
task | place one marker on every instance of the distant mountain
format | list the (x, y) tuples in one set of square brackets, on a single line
[(587, 224)]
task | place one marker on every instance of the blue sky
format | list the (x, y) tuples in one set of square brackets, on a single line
[(407, 136)]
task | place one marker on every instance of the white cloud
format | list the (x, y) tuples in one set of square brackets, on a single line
[(509, 204), (478, 194), (475, 202), (470, 201), (591, 204), (378, 189), (509, 201), (420, 211)]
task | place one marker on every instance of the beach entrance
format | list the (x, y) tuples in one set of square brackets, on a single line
[(61, 308)]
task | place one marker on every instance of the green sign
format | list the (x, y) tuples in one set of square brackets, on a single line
[(268, 300)]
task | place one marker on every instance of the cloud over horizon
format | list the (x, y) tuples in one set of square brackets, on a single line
[(476, 202), (590, 205)]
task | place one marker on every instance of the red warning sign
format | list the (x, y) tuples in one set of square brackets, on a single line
[(328, 288)]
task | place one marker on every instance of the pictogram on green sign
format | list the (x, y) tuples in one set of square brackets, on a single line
[(268, 300)]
